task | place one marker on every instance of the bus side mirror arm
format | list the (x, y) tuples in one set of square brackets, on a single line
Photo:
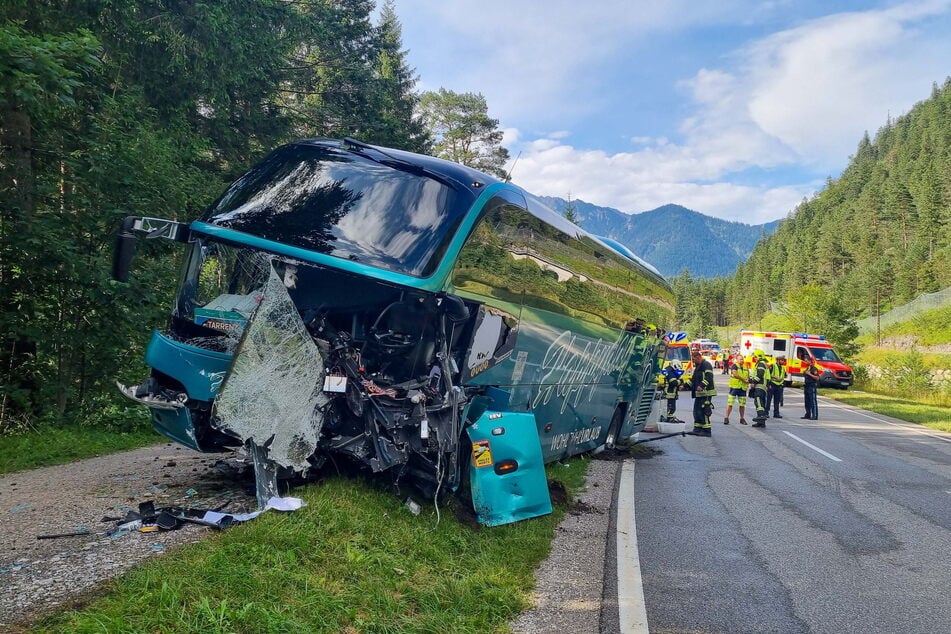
[(134, 226)]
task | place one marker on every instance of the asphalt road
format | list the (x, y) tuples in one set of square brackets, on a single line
[(836, 525)]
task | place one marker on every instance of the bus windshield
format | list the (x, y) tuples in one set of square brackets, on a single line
[(331, 201)]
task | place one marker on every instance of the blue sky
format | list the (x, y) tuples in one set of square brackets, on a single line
[(736, 109)]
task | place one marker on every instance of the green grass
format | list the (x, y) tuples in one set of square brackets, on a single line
[(51, 445), (881, 357), (935, 415), (354, 560)]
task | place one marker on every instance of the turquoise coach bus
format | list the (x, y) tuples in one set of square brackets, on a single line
[(403, 314)]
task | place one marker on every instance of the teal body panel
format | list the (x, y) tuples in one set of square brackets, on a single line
[(502, 498), (200, 371), (177, 425), (571, 375)]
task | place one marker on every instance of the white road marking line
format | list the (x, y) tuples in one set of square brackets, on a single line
[(632, 611), (908, 426), (811, 446)]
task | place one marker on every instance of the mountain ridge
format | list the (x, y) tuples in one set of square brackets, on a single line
[(672, 237)]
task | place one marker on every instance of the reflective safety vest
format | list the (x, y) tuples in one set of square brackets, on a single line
[(670, 387), (739, 377), (778, 374)]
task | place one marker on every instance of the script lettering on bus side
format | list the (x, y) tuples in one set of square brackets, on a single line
[(571, 372)]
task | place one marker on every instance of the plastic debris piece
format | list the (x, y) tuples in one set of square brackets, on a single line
[(166, 521), (191, 492), (413, 506), (22, 506), (158, 547), (124, 529)]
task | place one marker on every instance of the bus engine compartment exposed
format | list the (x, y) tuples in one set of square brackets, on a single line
[(330, 364)]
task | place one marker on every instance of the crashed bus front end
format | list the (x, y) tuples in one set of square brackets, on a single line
[(404, 314)]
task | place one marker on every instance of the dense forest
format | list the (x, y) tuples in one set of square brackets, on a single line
[(876, 237), (111, 108)]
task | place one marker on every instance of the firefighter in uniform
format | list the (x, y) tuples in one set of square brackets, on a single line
[(703, 390), (759, 379), (739, 383), (672, 372), (774, 392)]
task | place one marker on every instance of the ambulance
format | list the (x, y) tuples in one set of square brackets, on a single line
[(709, 350), (796, 347)]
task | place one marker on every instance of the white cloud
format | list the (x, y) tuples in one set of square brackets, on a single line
[(817, 87), (526, 56), (639, 181)]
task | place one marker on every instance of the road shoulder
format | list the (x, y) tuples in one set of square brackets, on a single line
[(569, 584)]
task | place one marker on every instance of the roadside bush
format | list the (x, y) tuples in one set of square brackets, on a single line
[(908, 373), (861, 375)]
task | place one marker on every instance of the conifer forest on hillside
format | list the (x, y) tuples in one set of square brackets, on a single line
[(874, 238)]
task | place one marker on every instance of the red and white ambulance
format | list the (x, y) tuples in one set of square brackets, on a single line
[(797, 346)]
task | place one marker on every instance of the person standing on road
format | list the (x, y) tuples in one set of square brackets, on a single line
[(703, 390), (739, 382), (759, 379), (724, 362), (810, 389), (672, 372), (774, 393)]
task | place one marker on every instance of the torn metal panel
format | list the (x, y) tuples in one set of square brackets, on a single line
[(272, 395)]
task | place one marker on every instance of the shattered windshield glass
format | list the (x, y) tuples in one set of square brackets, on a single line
[(327, 200), (272, 396), (222, 286)]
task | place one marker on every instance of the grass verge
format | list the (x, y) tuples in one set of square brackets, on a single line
[(933, 416), (354, 560), (51, 445)]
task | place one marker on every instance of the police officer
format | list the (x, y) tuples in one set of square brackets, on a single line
[(739, 382), (810, 389), (774, 392), (703, 390), (672, 372), (759, 378)]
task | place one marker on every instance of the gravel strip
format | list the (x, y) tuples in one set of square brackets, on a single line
[(569, 584), (37, 575)]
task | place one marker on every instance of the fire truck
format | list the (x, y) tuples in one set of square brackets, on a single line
[(796, 347)]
